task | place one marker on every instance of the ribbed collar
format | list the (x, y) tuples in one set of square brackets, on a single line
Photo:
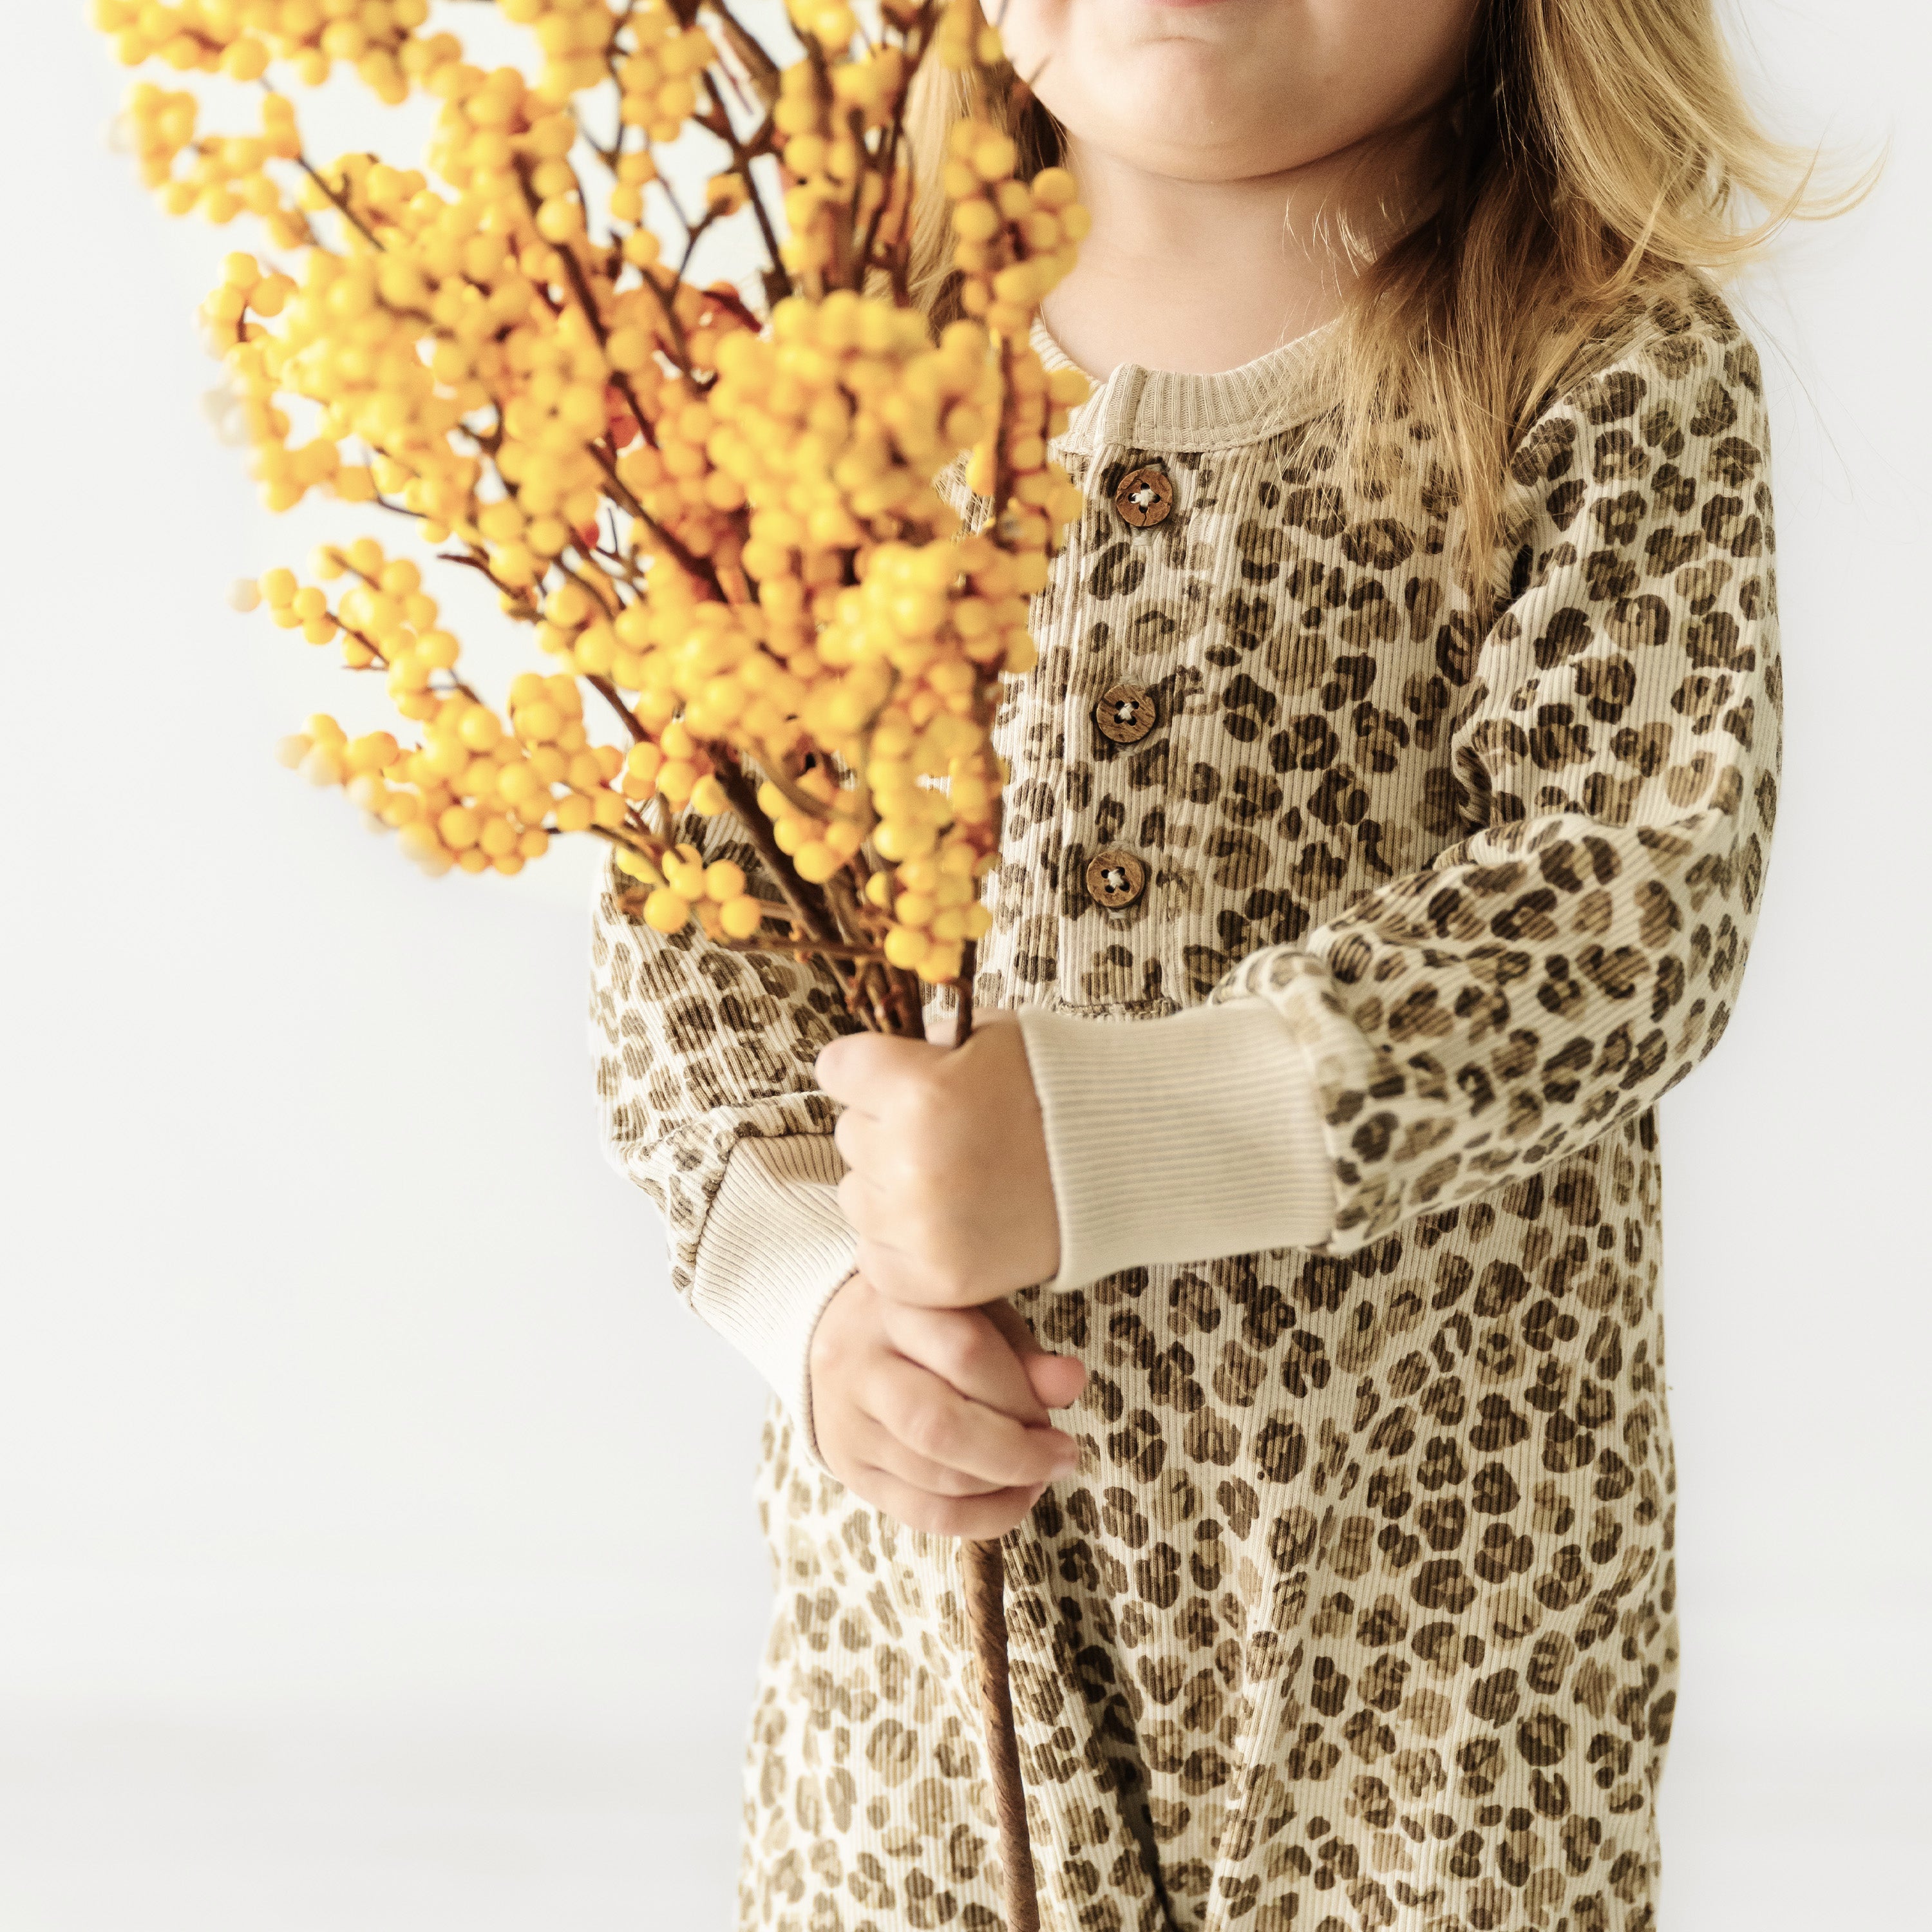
[(1163, 409)]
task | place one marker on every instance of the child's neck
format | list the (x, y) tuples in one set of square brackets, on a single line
[(1199, 277)]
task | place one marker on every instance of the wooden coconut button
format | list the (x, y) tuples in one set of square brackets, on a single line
[(1125, 713), (1114, 878), (1144, 497)]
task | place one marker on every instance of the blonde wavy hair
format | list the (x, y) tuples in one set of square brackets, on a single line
[(1595, 152)]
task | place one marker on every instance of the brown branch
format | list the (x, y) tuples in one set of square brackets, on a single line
[(637, 845), (342, 207), (806, 806), (395, 508), (743, 794), (573, 269), (722, 294), (522, 607), (763, 70), (855, 125), (969, 960), (887, 159), (777, 277), (693, 236), (985, 1578), (911, 1002), (606, 690), (668, 310), (611, 155), (701, 567), (589, 589), (823, 949), (671, 195)]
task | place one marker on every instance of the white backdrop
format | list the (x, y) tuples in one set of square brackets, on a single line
[(376, 1547)]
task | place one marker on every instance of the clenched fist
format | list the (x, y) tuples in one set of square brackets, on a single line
[(949, 1191)]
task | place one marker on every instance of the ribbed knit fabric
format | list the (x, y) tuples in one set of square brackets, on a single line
[(1182, 1139), (1360, 1611), (1162, 411), (774, 1250), (704, 1085)]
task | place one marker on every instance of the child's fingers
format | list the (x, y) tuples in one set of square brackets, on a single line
[(968, 1348), (864, 1143), (866, 1070), (1012, 1325), (934, 1421), (977, 1518), (1055, 1381), (874, 1446)]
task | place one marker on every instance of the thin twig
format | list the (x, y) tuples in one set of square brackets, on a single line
[(342, 207), (741, 163), (606, 690), (701, 567), (969, 957), (743, 798), (764, 71), (824, 948)]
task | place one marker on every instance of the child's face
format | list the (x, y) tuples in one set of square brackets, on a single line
[(1226, 90)]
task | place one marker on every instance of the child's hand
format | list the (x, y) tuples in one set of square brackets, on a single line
[(949, 1191), (938, 1416)]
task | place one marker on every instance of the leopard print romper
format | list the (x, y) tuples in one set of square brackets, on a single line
[(1359, 1612)]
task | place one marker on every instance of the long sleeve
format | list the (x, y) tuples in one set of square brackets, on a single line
[(703, 1078), (1616, 755)]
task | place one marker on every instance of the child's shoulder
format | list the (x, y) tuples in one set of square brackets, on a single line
[(1676, 335), (1671, 361)]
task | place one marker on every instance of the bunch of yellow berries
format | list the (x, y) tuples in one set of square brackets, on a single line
[(785, 545), (660, 78), (242, 39)]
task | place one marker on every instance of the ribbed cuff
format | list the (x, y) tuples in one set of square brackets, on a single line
[(1178, 1139), (774, 1250)]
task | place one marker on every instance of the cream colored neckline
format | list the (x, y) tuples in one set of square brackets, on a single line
[(1154, 410)]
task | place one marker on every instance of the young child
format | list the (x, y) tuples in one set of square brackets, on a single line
[(1388, 824)]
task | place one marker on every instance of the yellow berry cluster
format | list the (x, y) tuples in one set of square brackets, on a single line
[(675, 767), (241, 38), (659, 78), (1016, 239), (838, 193), (829, 430), (964, 40), (476, 794), (575, 38), (831, 24), (715, 895), (245, 287), (665, 471), (228, 174), (729, 527)]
